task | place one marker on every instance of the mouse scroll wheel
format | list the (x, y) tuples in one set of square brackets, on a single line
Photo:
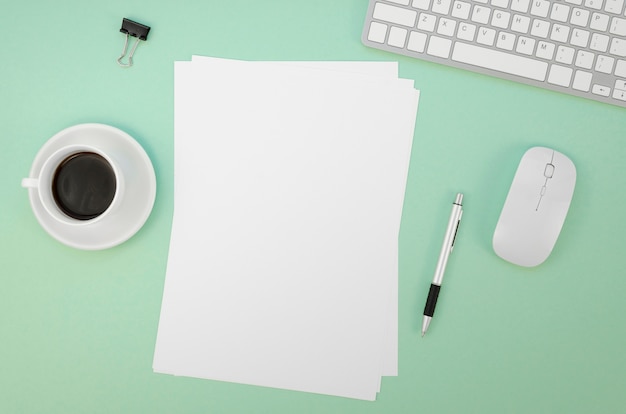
[(549, 171)]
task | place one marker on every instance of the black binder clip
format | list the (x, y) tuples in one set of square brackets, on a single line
[(138, 30)]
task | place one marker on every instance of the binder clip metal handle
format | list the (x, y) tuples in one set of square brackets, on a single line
[(134, 29)]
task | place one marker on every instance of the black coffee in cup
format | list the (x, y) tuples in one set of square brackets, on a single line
[(84, 185)]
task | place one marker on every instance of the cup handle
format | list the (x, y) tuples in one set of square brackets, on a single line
[(30, 182)]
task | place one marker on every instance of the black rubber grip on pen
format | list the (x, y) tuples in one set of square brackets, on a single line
[(431, 302)]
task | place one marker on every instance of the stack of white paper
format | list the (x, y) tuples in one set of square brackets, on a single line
[(289, 184)]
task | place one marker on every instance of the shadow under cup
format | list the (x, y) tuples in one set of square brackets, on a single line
[(84, 185)]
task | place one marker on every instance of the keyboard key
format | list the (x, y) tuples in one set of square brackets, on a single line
[(580, 17), (520, 24), (461, 10), (620, 68), (440, 47), (427, 22), (559, 33), (397, 37), (441, 6), (446, 27), (619, 94), (618, 26), (481, 14), (605, 64), (466, 32), (560, 75), (520, 5), (601, 90), (614, 6), (501, 19), (599, 42), (580, 38), (540, 28), (500, 3), (545, 50), (584, 59), (618, 47), (525, 45), (486, 36), (560, 12), (620, 84), (594, 4), (393, 14), (421, 4), (500, 61), (540, 8), (564, 55), (505, 41), (377, 32), (599, 22), (417, 42), (582, 81)]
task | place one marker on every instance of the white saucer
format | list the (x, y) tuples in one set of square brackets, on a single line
[(138, 198)]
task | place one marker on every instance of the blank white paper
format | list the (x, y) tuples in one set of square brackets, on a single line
[(389, 71)]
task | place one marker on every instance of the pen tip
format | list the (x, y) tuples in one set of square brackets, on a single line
[(423, 333)]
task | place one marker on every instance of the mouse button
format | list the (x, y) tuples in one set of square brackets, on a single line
[(539, 152), (548, 172), (566, 166)]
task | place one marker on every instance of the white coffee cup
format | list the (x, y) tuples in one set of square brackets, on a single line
[(45, 185)]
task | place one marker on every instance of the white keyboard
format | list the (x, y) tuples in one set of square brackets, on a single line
[(572, 46)]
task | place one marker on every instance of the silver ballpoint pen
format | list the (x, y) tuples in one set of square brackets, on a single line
[(448, 245)]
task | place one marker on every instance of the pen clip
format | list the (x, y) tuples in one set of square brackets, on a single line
[(458, 222)]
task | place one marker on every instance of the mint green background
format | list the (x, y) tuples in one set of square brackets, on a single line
[(78, 328)]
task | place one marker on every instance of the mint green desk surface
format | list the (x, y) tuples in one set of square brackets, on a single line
[(78, 328)]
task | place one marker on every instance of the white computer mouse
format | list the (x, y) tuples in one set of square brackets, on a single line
[(535, 208)]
